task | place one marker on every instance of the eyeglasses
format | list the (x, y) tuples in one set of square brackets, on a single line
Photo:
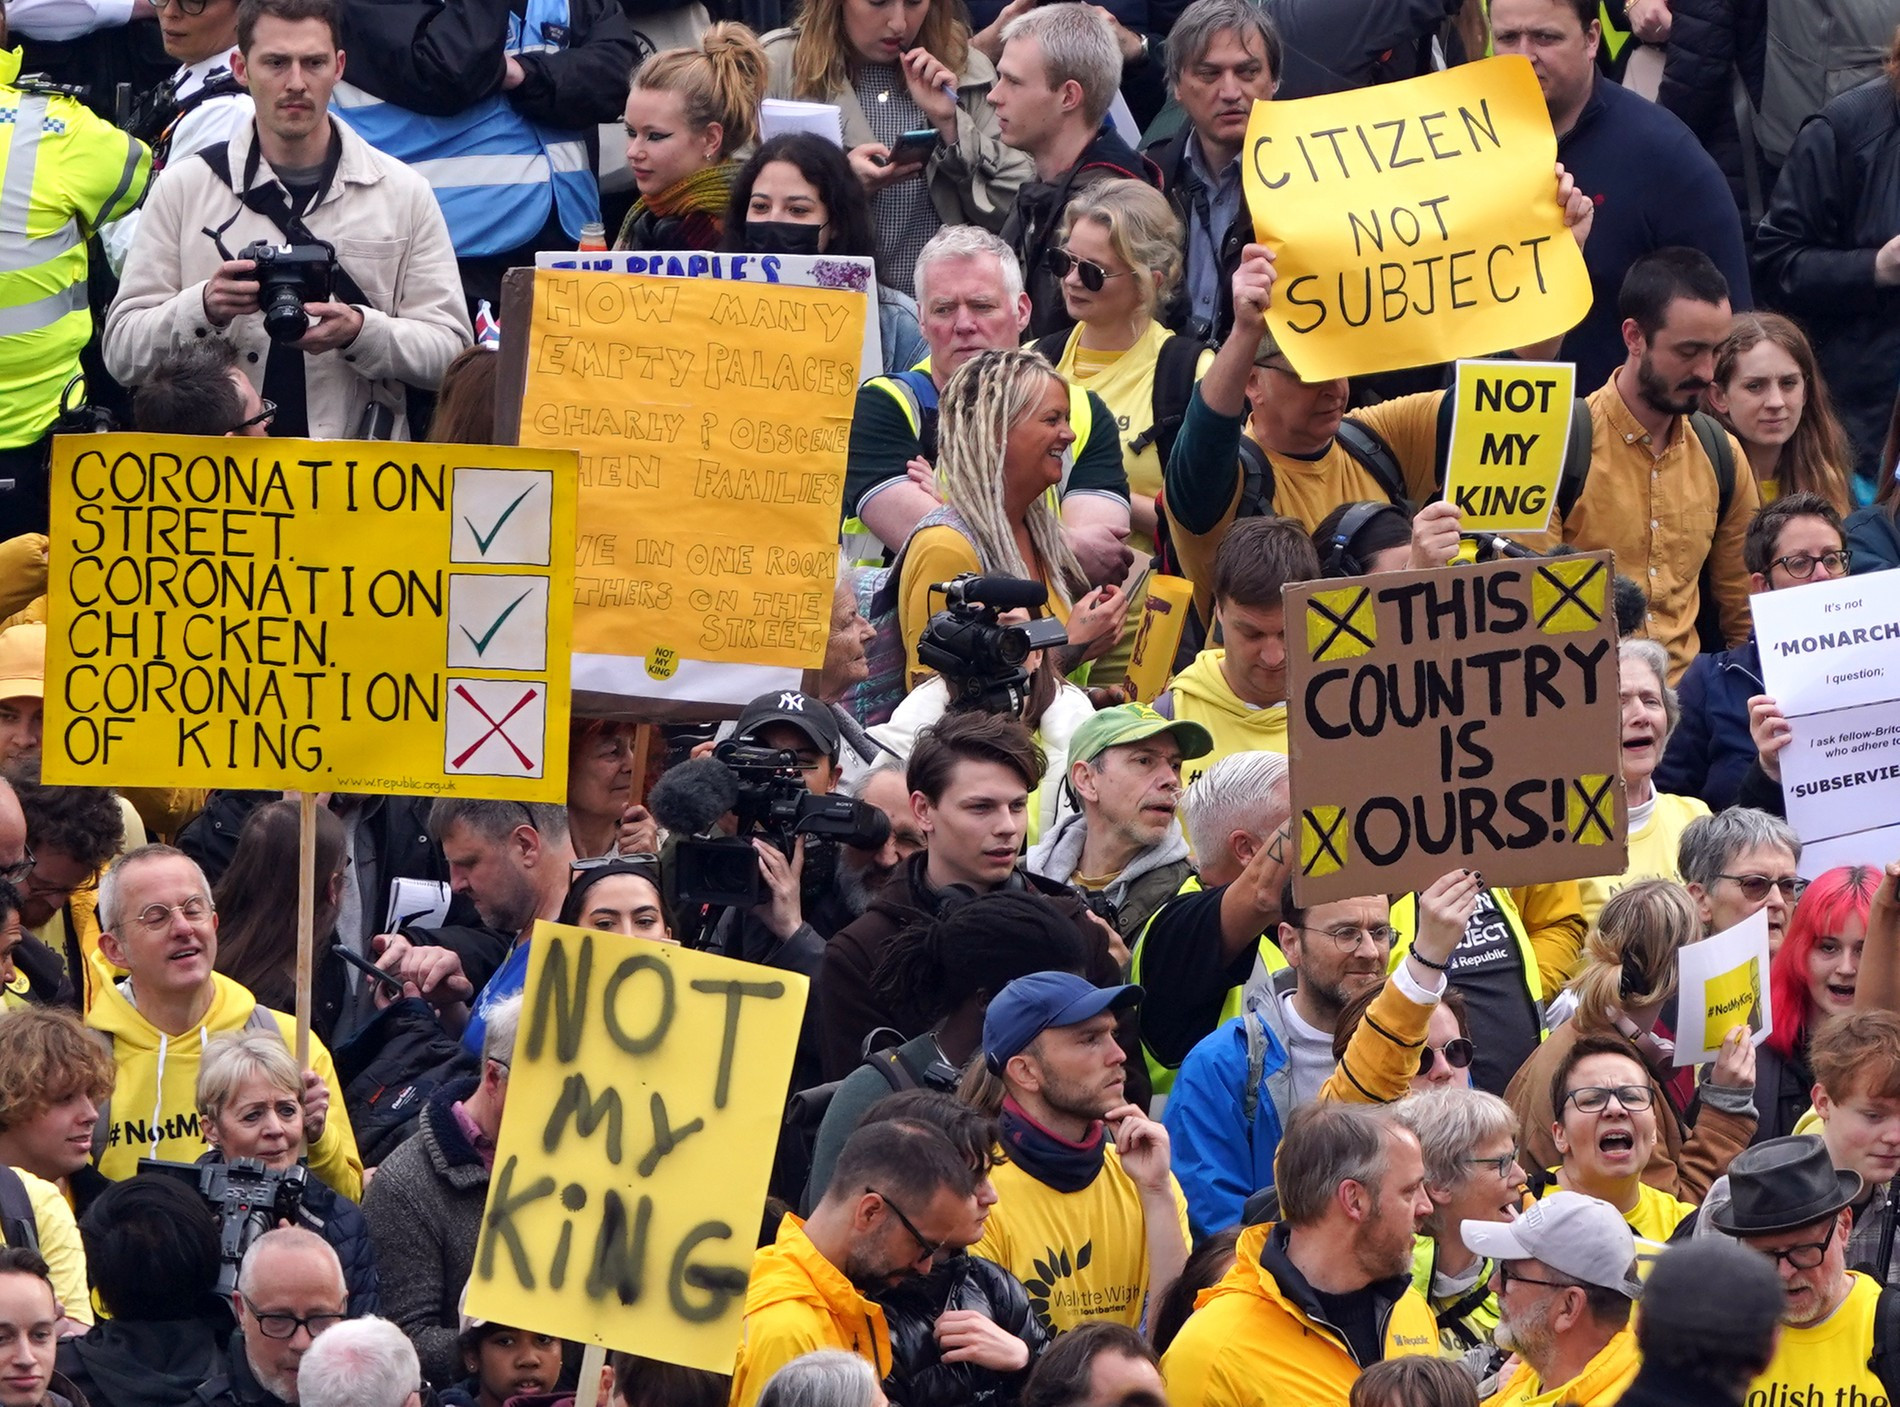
[(927, 1249), (1755, 887), (187, 7), (1808, 1255), (33, 884), (1501, 1165), (17, 872), (285, 1326), (1457, 1052), (1092, 274), (1348, 936), (1508, 1277), (269, 412), (153, 917), (1592, 1099), (1801, 565)]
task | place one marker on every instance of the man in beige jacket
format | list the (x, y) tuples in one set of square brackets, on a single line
[(181, 281)]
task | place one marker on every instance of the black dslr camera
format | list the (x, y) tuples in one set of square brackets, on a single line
[(288, 276), (772, 803), (982, 662), (247, 1197)]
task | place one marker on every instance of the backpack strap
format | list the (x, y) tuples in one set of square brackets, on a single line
[(1051, 348), (1884, 1363), (1375, 456), (17, 1221), (1169, 393), (1257, 484), (1715, 444)]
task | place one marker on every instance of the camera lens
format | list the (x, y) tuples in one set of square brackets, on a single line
[(1012, 646), (284, 317)]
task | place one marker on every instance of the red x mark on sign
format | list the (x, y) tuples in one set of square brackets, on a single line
[(495, 728)]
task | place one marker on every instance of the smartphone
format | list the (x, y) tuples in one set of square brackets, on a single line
[(914, 146), (369, 969)]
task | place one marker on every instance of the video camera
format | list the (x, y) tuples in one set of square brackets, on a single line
[(288, 276), (247, 1197), (770, 800), (980, 661)]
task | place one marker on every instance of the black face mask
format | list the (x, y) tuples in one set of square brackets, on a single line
[(781, 237)]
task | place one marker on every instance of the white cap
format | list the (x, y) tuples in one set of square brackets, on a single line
[(1574, 1235)]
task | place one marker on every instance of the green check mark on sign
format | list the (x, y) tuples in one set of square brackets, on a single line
[(506, 513), (481, 645)]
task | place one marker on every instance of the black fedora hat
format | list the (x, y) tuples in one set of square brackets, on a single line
[(1782, 1184)]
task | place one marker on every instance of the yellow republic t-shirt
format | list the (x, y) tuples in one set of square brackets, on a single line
[(1656, 1214), (1825, 1364), (1125, 381), (1083, 1256)]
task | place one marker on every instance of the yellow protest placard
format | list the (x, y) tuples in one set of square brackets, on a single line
[(643, 1111), (1731, 999), (1164, 615), (1510, 432), (320, 615), (712, 420), (1413, 222)]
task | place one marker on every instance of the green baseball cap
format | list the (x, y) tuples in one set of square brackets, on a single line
[(1132, 723)]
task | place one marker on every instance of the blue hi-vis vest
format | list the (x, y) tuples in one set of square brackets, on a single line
[(492, 170)]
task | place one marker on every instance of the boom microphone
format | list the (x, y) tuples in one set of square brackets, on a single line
[(1005, 593), (690, 798), (1497, 546)]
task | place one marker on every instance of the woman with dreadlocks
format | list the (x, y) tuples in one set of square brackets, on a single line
[(1003, 424)]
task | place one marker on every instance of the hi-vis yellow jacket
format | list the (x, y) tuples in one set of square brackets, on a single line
[(63, 173), (1251, 1344)]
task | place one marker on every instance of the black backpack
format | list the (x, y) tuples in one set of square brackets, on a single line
[(18, 1224), (390, 1068), (1721, 453), (1176, 368), (1885, 1360)]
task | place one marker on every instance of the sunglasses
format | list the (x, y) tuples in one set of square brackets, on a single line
[(1092, 274), (1458, 1053), (1755, 887)]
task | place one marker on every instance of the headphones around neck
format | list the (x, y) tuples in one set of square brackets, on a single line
[(1340, 560)]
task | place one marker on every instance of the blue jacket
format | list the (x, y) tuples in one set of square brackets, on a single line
[(1872, 539), (1711, 750), (1223, 1151), (1654, 186)]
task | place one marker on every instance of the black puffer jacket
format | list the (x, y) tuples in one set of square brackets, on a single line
[(1708, 41), (340, 1222), (919, 1377), (1836, 204)]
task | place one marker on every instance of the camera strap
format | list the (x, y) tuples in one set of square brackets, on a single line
[(284, 365)]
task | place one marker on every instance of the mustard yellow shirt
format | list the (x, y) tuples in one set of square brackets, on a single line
[(1603, 1380), (1658, 514), (1652, 852)]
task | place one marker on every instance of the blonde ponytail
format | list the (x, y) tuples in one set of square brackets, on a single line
[(722, 79)]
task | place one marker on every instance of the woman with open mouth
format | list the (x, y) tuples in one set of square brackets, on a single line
[(1813, 977), (1657, 819)]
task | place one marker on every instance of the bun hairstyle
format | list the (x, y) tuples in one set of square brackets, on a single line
[(721, 79), (1629, 958)]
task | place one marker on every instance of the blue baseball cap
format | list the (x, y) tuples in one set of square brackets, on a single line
[(1033, 1004)]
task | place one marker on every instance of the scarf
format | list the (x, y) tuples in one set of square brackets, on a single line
[(706, 193), (1050, 1159)]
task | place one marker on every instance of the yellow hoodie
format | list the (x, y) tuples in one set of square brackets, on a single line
[(154, 1111), (1604, 1380), (797, 1302), (1201, 694), (1248, 1345)]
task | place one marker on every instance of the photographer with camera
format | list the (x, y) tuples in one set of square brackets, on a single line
[(250, 1108), (289, 1290), (343, 287)]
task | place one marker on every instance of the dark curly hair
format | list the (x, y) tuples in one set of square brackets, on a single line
[(83, 822)]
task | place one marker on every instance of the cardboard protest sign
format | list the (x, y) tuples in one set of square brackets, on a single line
[(712, 422), (1457, 717), (1510, 432), (316, 615), (834, 271), (1723, 983), (643, 1112), (1164, 615), (1830, 656), (1413, 222)]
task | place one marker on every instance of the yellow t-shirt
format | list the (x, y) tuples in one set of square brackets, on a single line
[(1652, 851), (1656, 1214), (1827, 1362), (1309, 489), (1082, 1255), (1125, 381), (60, 1246)]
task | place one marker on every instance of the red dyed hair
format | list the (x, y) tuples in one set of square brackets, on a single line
[(1840, 894)]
